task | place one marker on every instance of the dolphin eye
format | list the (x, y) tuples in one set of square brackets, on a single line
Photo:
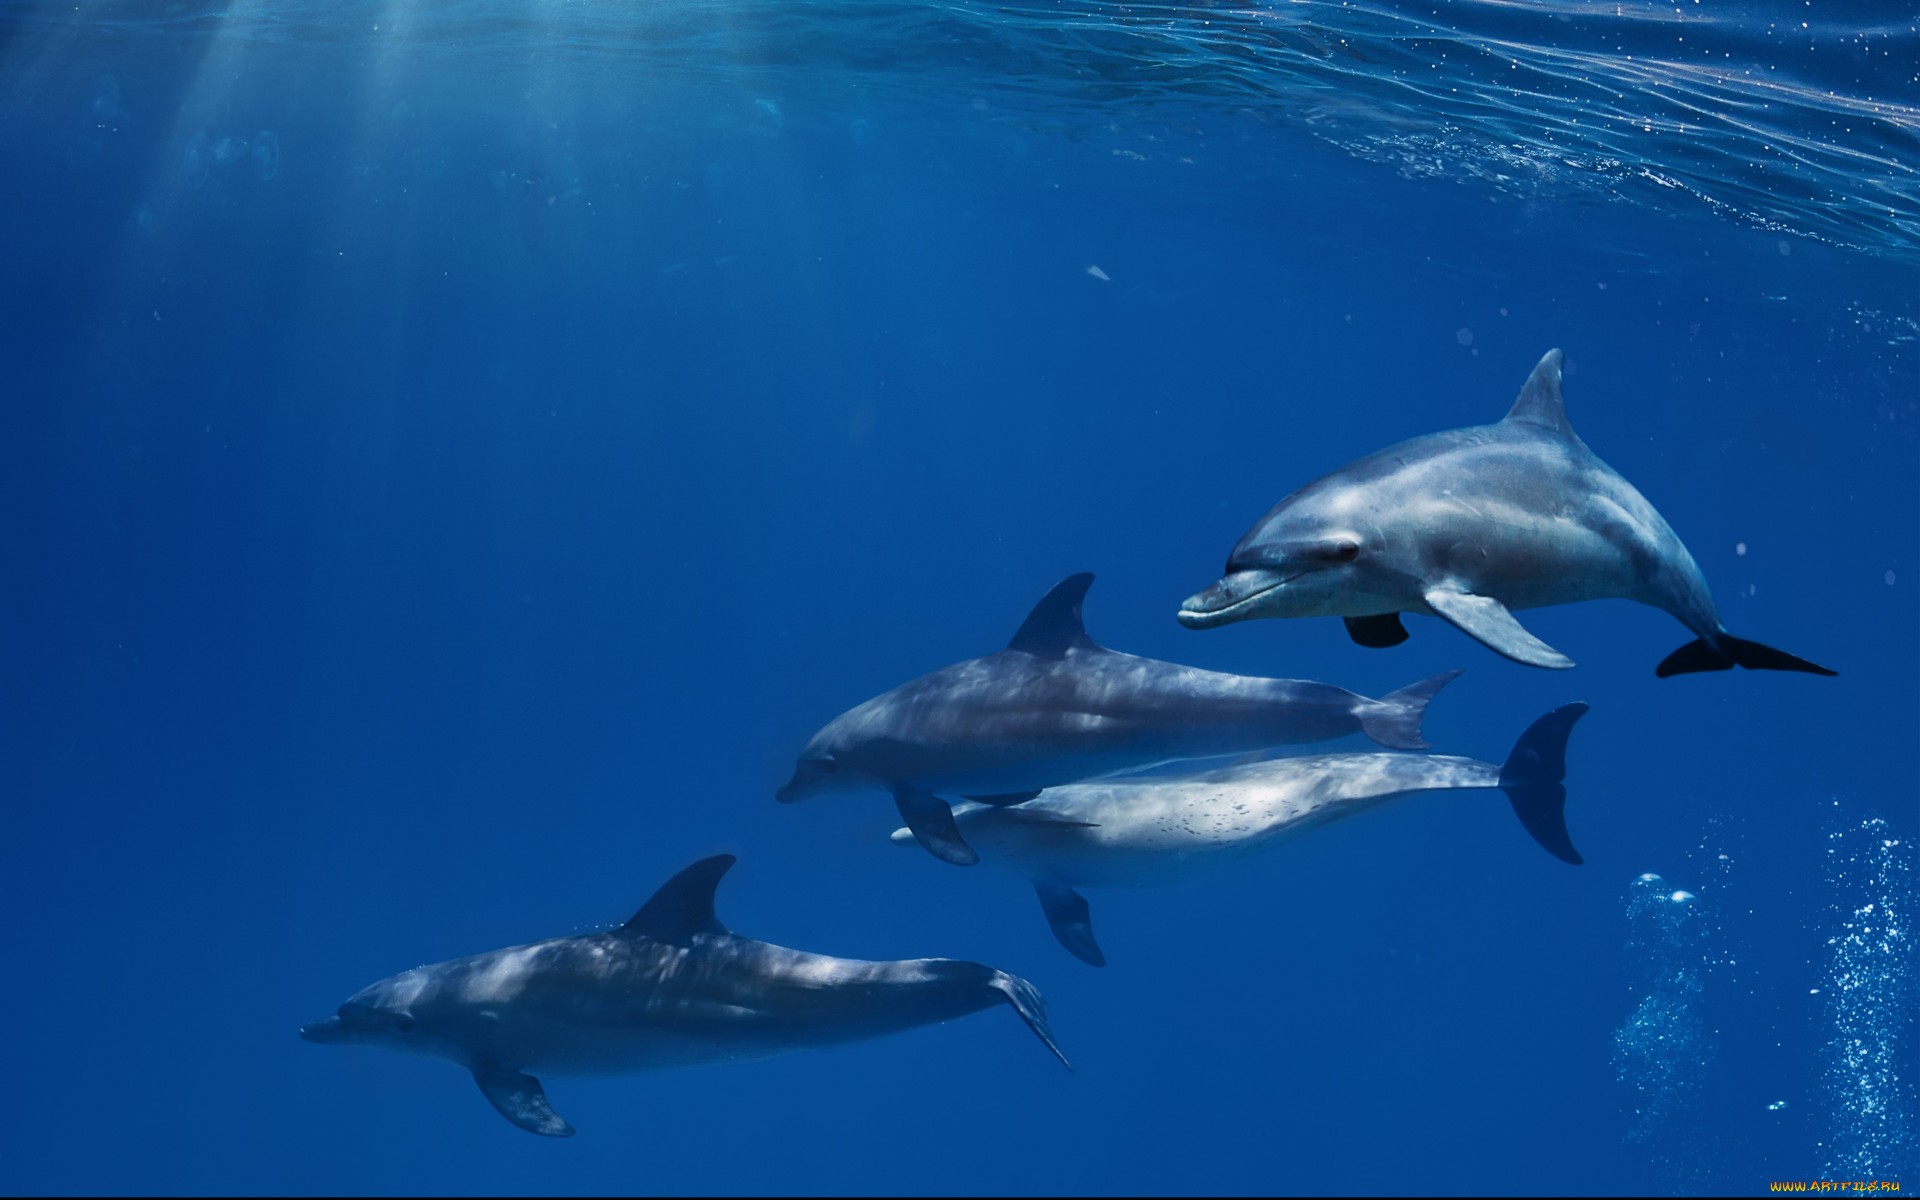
[(825, 766), (1346, 551)]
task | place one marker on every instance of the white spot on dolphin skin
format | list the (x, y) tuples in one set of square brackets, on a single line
[(1345, 500), (408, 988), (504, 978), (1097, 273)]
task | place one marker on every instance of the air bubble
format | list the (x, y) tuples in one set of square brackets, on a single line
[(195, 161), (266, 155), (1659, 1051), (1869, 1006), (104, 104)]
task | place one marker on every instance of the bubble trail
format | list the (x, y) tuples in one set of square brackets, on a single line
[(1660, 1050), (1869, 1005)]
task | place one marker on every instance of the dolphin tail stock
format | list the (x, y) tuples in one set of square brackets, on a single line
[(1534, 775), (1725, 652), (1032, 1007), (1394, 719)]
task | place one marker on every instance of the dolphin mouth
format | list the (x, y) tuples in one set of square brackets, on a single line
[(325, 1031), (1227, 601)]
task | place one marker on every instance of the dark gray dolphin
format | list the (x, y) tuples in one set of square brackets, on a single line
[(1054, 707), (1469, 525), (670, 988), (1159, 829)]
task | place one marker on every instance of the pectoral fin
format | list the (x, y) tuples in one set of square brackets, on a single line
[(931, 820), (520, 1099), (1376, 633), (1487, 619), (1072, 923)]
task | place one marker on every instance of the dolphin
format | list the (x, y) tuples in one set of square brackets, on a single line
[(670, 988), (1159, 829), (1054, 707), (1469, 525)]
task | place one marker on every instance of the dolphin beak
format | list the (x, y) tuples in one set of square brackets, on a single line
[(1229, 600), (789, 791), (322, 1031)]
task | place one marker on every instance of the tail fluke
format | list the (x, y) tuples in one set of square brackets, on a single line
[(1727, 652), (1394, 720), (1032, 1007), (1533, 776)]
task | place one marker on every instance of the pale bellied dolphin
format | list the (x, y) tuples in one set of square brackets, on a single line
[(1158, 829), (1054, 707), (1468, 525), (670, 988)]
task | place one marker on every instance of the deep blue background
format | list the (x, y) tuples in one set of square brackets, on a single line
[(437, 544)]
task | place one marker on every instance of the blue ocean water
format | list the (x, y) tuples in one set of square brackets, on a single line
[(457, 452)]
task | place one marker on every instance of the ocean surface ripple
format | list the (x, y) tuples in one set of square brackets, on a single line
[(1785, 116)]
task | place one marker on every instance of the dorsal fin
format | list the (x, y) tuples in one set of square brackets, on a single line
[(684, 904), (1054, 626), (1540, 404)]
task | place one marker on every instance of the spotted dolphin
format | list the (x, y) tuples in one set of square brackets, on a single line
[(670, 988), (1469, 525), (1159, 829), (1054, 707)]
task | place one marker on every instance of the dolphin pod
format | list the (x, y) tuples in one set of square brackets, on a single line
[(1145, 830), (1054, 707), (672, 987), (1469, 525)]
